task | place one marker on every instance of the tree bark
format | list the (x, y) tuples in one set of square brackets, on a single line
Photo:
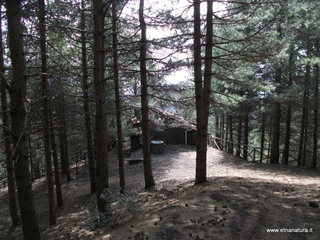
[(46, 114), (263, 132), (63, 139), (202, 90), (148, 176), (13, 206), (238, 151), (304, 118), (230, 135), (55, 160), (286, 150), (227, 133), (86, 108), (18, 122), (101, 141), (117, 93), (275, 123), (316, 111), (30, 151), (218, 130), (246, 134), (223, 142)]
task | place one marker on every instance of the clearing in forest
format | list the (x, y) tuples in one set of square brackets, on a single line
[(241, 201)]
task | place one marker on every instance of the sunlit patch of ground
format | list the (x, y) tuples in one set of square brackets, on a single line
[(241, 201)]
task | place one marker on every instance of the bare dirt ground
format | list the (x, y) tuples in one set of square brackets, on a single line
[(241, 201)]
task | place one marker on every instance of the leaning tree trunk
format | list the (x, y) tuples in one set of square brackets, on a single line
[(148, 176), (316, 107), (117, 93), (86, 108), (13, 206), (101, 142), (18, 121), (46, 114)]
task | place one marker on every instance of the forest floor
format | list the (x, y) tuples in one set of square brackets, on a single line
[(241, 200)]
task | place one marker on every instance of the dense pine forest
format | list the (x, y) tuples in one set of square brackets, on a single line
[(172, 119)]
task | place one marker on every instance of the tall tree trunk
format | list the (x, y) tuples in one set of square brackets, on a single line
[(18, 122), (222, 133), (63, 140), (263, 132), (286, 150), (30, 151), (306, 134), (101, 141), (46, 114), (315, 113), (55, 160), (117, 93), (275, 123), (202, 90), (218, 130), (303, 127), (148, 176), (230, 135), (238, 151), (227, 133), (13, 206), (246, 134), (86, 108)]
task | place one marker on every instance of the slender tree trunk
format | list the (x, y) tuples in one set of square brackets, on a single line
[(55, 160), (85, 88), (222, 133), (117, 93), (63, 139), (13, 206), (18, 122), (303, 127), (306, 134), (202, 90), (263, 131), (246, 134), (227, 134), (231, 135), (101, 141), (286, 150), (46, 114), (275, 124), (148, 176), (218, 130), (315, 113), (30, 151), (238, 151)]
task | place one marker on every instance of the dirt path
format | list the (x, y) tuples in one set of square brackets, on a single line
[(179, 163), (241, 201)]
